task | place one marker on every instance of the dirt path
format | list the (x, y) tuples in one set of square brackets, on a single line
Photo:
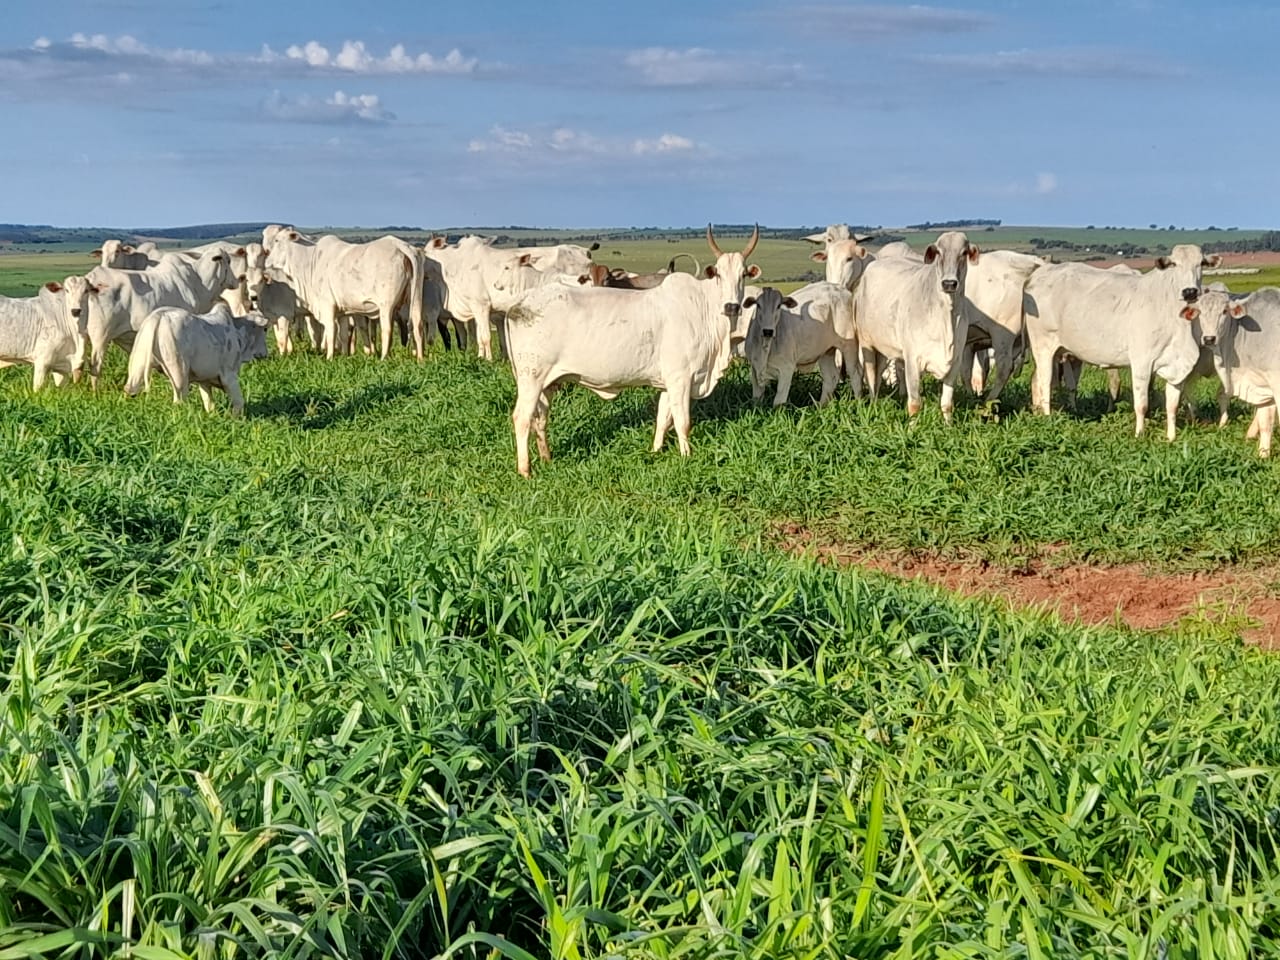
[(1246, 599)]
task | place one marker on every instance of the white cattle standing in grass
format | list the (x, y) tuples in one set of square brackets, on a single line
[(126, 297), (916, 312), (205, 349), (1243, 334), (677, 337), (787, 334), (1117, 320), (473, 267), (332, 278), (47, 330), (124, 256)]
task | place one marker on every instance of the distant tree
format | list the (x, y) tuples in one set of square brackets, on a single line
[(1154, 227)]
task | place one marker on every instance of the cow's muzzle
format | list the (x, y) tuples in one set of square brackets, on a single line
[(1209, 341), (1191, 294), (75, 311), (950, 286), (731, 310), (767, 334)]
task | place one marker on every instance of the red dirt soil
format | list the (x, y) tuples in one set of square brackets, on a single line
[(1082, 593)]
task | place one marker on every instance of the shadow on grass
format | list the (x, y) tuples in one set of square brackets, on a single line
[(318, 411)]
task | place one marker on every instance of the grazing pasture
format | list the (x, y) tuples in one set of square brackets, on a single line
[(332, 681)]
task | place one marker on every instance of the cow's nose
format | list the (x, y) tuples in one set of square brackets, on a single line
[(75, 312), (1210, 341), (1191, 294), (766, 333), (950, 286), (732, 309)]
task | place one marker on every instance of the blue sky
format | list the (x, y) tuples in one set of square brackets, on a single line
[(1123, 112)]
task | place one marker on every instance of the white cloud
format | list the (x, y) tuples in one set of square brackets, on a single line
[(1046, 183), (568, 143), (1094, 63), (699, 67), (354, 57), (339, 108), (667, 143), (85, 53)]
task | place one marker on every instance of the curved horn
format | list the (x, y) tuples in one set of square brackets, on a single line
[(751, 244), (711, 241), (671, 266)]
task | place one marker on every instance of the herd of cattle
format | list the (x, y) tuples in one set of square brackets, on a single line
[(953, 312)]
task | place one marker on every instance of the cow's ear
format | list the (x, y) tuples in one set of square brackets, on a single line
[(972, 251), (860, 252), (53, 286), (266, 252), (584, 278), (128, 248), (594, 246), (1189, 313), (1213, 260), (931, 253), (241, 252), (98, 288), (95, 254), (790, 303), (749, 302), (1163, 263), (753, 271), (293, 235), (1238, 309), (195, 256), (818, 256), (710, 271), (525, 259)]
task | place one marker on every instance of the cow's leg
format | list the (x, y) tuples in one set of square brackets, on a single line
[(484, 334), (679, 406), (231, 385), (387, 321), (97, 347), (1042, 379), (949, 382), (852, 367), (759, 380), (830, 376), (663, 421), (1141, 384), (39, 375), (977, 363), (911, 374), (282, 334), (59, 378), (870, 371), (442, 327), (528, 396), (1224, 402), (1002, 366), (1172, 397), (206, 396), (785, 372), (1113, 388), (1254, 424), (328, 322), (540, 421), (1266, 425)]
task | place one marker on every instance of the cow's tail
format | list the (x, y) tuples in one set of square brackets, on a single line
[(141, 354), (417, 312)]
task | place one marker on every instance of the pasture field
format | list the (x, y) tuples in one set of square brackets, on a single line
[(331, 680)]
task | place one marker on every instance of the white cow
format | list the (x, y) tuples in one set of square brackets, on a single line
[(472, 267), (844, 260), (801, 332), (124, 256), (126, 297), (1243, 334), (916, 312), (238, 298), (47, 330), (205, 349), (332, 277), (676, 337), (1117, 320)]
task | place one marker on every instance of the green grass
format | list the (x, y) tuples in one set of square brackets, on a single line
[(331, 680)]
